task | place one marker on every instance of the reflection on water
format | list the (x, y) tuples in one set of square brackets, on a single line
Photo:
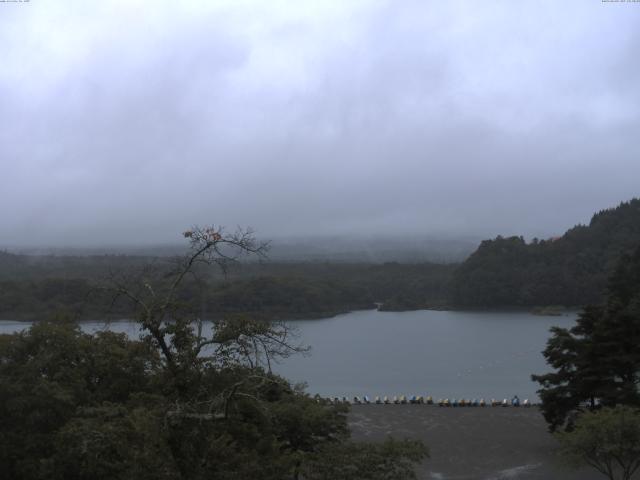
[(443, 354)]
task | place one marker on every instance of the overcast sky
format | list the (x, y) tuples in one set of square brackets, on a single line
[(126, 122)]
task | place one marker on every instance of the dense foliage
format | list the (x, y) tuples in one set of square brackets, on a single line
[(74, 405), (180, 402), (607, 440), (597, 362), (571, 270), (30, 287)]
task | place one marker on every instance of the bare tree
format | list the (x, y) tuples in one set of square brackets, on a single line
[(171, 322)]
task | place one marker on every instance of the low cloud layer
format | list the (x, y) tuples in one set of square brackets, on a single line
[(124, 122)]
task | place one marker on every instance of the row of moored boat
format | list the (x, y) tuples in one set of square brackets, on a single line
[(419, 400)]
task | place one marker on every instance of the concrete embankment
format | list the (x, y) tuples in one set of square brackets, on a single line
[(470, 443)]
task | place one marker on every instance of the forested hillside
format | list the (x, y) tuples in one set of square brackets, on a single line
[(37, 287), (571, 270)]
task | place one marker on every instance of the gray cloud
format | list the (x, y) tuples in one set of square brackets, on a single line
[(127, 122)]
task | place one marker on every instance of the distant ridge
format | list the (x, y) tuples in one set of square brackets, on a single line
[(7, 258), (571, 270)]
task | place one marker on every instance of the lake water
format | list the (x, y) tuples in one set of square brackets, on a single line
[(443, 354)]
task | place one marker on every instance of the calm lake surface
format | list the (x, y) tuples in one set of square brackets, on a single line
[(443, 354)]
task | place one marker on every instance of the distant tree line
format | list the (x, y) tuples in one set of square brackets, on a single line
[(269, 290), (571, 270)]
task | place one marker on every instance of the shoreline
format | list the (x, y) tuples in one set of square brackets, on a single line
[(542, 311), (311, 316)]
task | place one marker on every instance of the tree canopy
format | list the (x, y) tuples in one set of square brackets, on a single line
[(607, 440), (597, 362), (570, 270), (181, 402)]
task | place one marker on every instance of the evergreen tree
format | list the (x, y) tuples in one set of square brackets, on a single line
[(569, 270), (597, 362)]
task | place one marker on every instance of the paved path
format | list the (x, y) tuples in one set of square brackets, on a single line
[(470, 443)]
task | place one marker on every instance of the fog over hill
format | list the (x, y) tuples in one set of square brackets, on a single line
[(359, 249), (407, 249)]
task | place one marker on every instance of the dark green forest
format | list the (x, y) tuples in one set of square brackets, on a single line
[(177, 405), (505, 272), (571, 270), (596, 362), (174, 404), (31, 287)]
